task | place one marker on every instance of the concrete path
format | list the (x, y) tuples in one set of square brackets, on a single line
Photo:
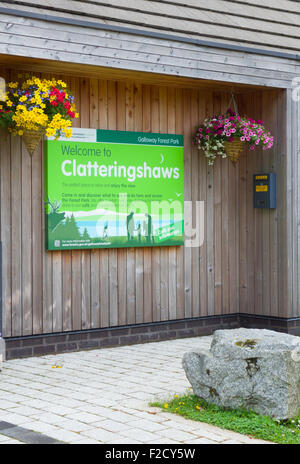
[(102, 396)]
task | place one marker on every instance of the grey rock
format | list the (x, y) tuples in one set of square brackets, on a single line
[(248, 368)]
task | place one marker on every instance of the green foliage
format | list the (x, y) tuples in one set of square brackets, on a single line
[(66, 230), (238, 420), (85, 234)]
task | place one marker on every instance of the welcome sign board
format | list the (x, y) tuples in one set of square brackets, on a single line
[(111, 189)]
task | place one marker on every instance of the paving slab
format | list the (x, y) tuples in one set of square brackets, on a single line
[(102, 396)]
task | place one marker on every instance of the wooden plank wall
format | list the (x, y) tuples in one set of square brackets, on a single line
[(81, 46), (238, 268), (292, 210), (269, 24)]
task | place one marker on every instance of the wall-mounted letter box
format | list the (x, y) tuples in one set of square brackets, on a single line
[(265, 190)]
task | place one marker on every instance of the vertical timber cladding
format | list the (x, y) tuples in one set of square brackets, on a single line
[(114, 189), (235, 269)]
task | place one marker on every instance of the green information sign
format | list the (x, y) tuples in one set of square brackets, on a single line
[(111, 189)]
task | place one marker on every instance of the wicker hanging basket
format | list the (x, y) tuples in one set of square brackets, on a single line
[(32, 139), (234, 150)]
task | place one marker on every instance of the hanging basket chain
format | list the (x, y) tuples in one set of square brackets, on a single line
[(235, 148), (235, 105)]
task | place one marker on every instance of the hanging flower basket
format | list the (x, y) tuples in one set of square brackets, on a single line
[(32, 138), (234, 150), (226, 135), (34, 107)]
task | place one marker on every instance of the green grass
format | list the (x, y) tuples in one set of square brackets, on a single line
[(238, 420)]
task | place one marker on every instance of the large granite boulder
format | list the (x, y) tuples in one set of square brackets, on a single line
[(248, 368)]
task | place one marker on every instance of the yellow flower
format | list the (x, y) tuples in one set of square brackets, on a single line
[(198, 407), (63, 84), (50, 132), (68, 132), (175, 396), (23, 98), (31, 120), (9, 103), (20, 132), (166, 405)]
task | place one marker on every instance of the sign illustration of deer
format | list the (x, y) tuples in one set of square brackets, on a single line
[(53, 217)]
